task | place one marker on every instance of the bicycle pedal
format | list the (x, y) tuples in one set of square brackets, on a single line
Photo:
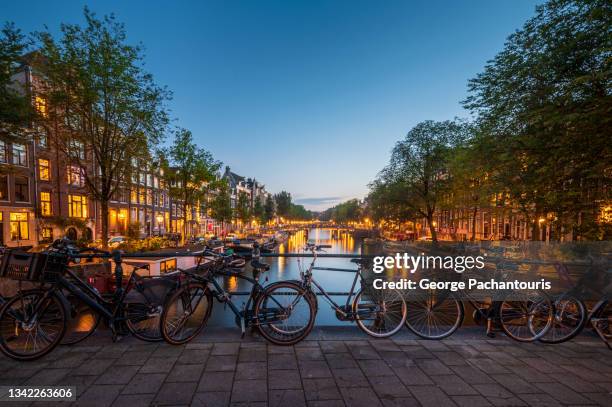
[(242, 327)]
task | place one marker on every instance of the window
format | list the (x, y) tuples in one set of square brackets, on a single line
[(22, 189), (4, 194), (20, 155), (42, 140), (167, 266), (77, 206), (45, 203), (77, 149), (41, 105), (19, 226), (44, 170), (46, 235), (2, 152), (75, 176)]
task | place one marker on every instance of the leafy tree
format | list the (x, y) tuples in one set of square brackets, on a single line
[(243, 207), (221, 204), (103, 107), (259, 210), (543, 105), (418, 166), (298, 212), (190, 172), (15, 107), (269, 209), (283, 204), (345, 212)]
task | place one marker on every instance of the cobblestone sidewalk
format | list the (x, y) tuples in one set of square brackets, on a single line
[(335, 367)]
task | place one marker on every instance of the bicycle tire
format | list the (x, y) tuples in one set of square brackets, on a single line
[(545, 304), (135, 313), (178, 301), (275, 334), (424, 325), (551, 335), (9, 330), (393, 303), (79, 320)]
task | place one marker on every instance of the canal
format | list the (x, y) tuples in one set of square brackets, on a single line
[(283, 268)]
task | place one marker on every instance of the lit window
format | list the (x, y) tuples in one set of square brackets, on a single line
[(46, 235), (77, 206), (167, 266), (20, 155), (75, 176), (19, 226), (134, 196), (41, 106), (45, 203), (44, 171), (22, 189)]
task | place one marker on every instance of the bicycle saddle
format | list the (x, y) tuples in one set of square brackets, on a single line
[(259, 266)]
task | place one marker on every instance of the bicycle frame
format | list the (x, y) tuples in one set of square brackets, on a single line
[(308, 281)]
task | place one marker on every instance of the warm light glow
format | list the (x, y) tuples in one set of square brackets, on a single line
[(541, 220), (121, 215)]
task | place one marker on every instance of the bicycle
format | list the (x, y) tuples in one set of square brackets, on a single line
[(379, 313), (280, 311), (571, 314), (33, 322), (523, 316)]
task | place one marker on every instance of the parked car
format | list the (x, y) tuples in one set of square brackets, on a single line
[(116, 241)]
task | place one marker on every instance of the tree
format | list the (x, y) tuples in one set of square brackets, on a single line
[(298, 212), (15, 106), (259, 210), (418, 166), (243, 208), (190, 172), (102, 104), (269, 209), (544, 107), (221, 205), (283, 203)]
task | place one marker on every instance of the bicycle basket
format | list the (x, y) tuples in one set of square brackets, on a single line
[(54, 267), (20, 265)]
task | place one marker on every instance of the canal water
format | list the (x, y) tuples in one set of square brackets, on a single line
[(288, 268)]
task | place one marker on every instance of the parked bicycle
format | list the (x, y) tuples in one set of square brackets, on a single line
[(571, 314), (379, 313), (523, 316), (34, 322), (280, 311)]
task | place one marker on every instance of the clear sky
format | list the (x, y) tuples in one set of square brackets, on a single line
[(311, 96)]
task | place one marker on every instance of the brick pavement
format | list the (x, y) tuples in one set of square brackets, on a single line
[(334, 367)]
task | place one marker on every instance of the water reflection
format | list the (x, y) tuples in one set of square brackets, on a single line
[(284, 268)]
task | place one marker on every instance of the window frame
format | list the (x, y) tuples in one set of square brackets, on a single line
[(47, 167), (27, 200)]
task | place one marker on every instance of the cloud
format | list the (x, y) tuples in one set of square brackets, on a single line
[(319, 203)]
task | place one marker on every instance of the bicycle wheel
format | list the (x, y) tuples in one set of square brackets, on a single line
[(185, 313), (285, 313), (526, 318), (31, 325), (379, 313), (82, 322), (569, 318), (143, 321), (437, 316)]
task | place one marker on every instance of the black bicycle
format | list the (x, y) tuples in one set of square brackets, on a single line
[(34, 322), (282, 312), (379, 313)]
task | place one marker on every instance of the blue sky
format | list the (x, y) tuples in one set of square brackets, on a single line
[(308, 97)]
